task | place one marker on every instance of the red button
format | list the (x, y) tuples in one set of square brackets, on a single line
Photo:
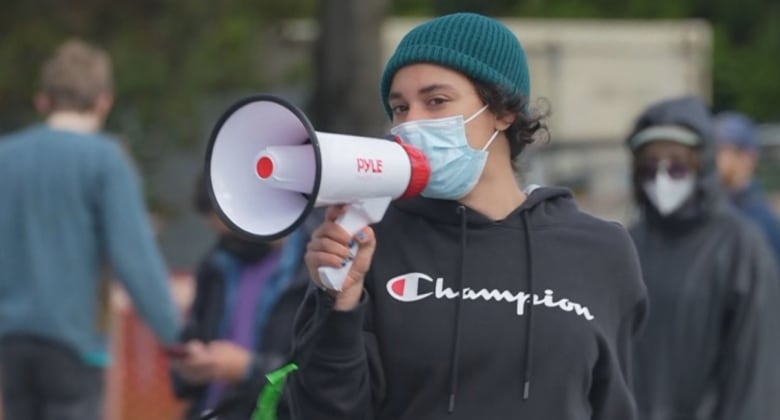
[(265, 167)]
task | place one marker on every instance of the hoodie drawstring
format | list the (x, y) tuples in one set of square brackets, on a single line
[(529, 332), (456, 337)]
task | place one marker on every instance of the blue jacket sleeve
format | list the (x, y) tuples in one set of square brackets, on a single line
[(130, 247)]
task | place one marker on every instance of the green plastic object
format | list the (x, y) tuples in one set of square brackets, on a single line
[(268, 401)]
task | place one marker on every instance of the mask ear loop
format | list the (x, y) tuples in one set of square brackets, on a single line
[(476, 114), (493, 137), (495, 132)]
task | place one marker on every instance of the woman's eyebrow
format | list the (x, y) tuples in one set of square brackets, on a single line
[(435, 87), (423, 90), (394, 95)]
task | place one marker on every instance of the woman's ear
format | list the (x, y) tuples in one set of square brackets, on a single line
[(504, 121)]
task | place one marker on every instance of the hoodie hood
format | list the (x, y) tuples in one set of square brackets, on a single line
[(692, 114)]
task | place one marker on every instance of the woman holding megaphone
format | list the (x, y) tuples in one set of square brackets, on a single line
[(480, 299)]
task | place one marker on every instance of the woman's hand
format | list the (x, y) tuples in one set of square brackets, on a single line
[(330, 247)]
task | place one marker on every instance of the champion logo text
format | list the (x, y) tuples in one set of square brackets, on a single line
[(406, 288)]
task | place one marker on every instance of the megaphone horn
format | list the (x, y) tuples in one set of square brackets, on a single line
[(268, 169)]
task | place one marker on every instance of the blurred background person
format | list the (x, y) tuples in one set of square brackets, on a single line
[(738, 157), (708, 348), (240, 324), (71, 205)]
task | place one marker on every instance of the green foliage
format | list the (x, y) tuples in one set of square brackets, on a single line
[(168, 54), (173, 56)]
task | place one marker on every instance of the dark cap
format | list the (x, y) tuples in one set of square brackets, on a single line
[(735, 129)]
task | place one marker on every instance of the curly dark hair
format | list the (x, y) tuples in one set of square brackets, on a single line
[(530, 121)]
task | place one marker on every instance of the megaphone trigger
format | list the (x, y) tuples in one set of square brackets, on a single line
[(359, 214)]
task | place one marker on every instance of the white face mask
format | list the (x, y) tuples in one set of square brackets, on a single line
[(668, 194)]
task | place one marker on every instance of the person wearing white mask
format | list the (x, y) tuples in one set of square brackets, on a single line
[(481, 299), (707, 350)]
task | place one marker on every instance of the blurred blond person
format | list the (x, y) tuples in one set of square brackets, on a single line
[(72, 206)]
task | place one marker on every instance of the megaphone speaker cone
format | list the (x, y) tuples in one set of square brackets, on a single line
[(254, 209)]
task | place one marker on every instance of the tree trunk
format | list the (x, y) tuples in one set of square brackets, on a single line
[(348, 68)]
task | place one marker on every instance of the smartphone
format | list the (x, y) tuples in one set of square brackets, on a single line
[(177, 351)]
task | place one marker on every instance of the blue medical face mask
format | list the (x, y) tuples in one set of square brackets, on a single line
[(455, 165)]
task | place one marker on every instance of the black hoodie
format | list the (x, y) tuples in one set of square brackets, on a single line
[(447, 327), (708, 349)]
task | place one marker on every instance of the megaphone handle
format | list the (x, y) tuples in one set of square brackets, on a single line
[(359, 215)]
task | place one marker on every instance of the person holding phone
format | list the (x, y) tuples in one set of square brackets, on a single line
[(240, 324)]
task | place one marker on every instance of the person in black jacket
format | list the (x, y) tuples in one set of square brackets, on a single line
[(240, 324), (480, 299), (708, 348)]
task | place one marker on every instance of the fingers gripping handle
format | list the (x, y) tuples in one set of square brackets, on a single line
[(359, 215)]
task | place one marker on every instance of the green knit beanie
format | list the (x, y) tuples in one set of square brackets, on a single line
[(475, 45)]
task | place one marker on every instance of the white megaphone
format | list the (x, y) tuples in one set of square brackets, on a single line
[(268, 169)]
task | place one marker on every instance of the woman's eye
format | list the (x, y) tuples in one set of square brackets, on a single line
[(399, 109), (437, 101)]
